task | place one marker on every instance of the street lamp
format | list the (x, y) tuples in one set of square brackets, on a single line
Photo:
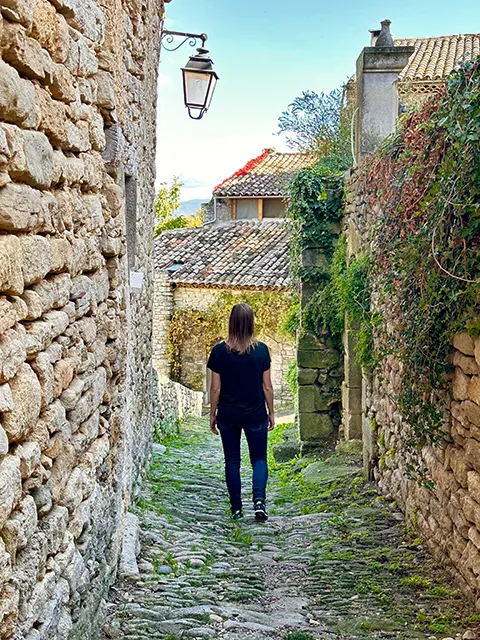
[(199, 76)]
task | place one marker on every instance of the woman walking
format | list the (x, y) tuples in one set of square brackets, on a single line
[(240, 392)]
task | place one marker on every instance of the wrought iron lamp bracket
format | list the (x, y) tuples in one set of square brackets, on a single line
[(169, 37)]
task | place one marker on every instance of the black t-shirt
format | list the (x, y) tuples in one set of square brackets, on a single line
[(242, 400)]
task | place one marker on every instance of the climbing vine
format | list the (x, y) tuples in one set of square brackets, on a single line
[(423, 188), (206, 327)]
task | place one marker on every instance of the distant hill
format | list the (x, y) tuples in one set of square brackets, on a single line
[(188, 207)]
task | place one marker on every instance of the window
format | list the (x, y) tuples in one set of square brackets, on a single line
[(247, 209), (273, 208)]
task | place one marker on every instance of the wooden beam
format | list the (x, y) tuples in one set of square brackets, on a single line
[(234, 209), (260, 209)]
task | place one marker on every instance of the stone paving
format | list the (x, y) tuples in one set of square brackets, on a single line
[(333, 562)]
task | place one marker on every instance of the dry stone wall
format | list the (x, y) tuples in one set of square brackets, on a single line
[(448, 515), (77, 116), (193, 354)]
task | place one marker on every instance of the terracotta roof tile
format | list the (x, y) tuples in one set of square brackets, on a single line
[(435, 58), (266, 175), (244, 254)]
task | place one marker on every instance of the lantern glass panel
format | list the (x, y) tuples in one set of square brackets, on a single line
[(196, 88), (211, 89)]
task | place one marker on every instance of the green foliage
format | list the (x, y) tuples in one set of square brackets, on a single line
[(206, 327), (167, 203), (426, 249), (291, 322), (292, 378)]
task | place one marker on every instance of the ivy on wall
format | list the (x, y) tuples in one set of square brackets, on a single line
[(205, 327), (423, 188)]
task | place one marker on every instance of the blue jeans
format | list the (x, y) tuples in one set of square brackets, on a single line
[(257, 436)]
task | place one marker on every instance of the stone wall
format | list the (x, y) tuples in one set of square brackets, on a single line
[(217, 211), (77, 148), (320, 369), (448, 515), (178, 401), (194, 355)]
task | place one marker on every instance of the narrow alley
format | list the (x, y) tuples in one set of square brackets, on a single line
[(334, 561)]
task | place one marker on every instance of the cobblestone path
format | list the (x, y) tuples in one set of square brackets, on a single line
[(332, 562)]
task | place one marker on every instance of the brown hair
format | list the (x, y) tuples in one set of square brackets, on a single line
[(241, 328)]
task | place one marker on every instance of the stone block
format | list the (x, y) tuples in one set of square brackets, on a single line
[(17, 97), (464, 343), (467, 364), (6, 399), (324, 359), (24, 53), (54, 526), (44, 370), (307, 376), (51, 30), (29, 455), (472, 412), (10, 487), (81, 61), (26, 395), (460, 385), (315, 426), (473, 390), (62, 85), (32, 161), (11, 272), (37, 258), (8, 313), (472, 453), (353, 426), (285, 451), (12, 353), (311, 399), (9, 607), (20, 206), (86, 16), (19, 11), (106, 98), (21, 526), (351, 400), (4, 444), (315, 258)]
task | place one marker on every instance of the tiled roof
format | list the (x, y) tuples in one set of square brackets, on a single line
[(435, 58), (266, 175), (242, 254)]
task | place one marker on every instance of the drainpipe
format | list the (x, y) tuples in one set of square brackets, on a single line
[(378, 68)]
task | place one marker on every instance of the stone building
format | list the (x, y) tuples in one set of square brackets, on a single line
[(77, 132), (447, 515), (257, 190), (193, 267)]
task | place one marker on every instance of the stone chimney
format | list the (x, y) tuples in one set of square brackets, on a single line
[(378, 68)]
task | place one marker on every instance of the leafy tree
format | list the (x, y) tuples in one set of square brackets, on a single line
[(167, 203), (319, 123)]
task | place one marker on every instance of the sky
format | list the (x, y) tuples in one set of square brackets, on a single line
[(266, 52)]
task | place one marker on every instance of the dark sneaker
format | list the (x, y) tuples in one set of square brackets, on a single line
[(237, 515), (260, 510)]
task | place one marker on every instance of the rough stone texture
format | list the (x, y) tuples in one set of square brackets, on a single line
[(194, 356), (176, 400), (448, 515), (73, 338), (320, 371)]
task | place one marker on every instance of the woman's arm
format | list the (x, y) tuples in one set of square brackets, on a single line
[(268, 391), (215, 387)]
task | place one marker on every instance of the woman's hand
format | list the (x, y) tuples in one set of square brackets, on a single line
[(271, 421), (213, 424)]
